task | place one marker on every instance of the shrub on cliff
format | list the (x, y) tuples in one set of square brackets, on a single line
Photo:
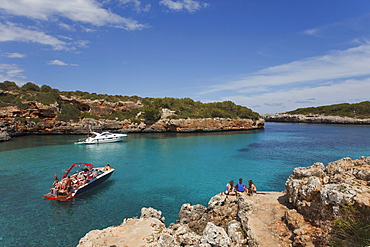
[(353, 228), (188, 108), (8, 85), (68, 112), (151, 107), (12, 100), (31, 87), (119, 115), (151, 113)]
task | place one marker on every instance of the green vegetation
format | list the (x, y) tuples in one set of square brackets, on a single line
[(358, 110), (353, 228), (150, 108), (188, 108), (69, 112)]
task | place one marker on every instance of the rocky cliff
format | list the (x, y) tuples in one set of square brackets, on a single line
[(301, 216), (13, 127), (321, 119), (36, 118)]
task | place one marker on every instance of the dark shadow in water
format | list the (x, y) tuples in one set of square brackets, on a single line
[(31, 141), (190, 134)]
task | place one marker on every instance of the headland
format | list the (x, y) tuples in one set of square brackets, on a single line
[(48, 111), (313, 118), (308, 213)]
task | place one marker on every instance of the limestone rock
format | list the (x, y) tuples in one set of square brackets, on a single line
[(184, 235), (317, 192), (301, 216), (132, 232), (236, 234), (4, 136), (152, 213), (194, 216), (215, 236)]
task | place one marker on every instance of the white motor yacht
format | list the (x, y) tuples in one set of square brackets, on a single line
[(98, 137)]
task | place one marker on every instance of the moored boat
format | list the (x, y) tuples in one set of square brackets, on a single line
[(98, 137), (79, 178)]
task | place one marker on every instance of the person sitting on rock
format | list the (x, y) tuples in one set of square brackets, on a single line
[(252, 188), (230, 188), (240, 187)]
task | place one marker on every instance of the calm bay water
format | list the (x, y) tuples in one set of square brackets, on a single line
[(162, 171)]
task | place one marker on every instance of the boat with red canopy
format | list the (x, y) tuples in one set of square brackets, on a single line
[(79, 178)]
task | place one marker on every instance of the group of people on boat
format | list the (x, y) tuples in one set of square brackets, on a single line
[(68, 185), (240, 187)]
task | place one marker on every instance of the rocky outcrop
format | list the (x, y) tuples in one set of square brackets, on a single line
[(234, 221), (321, 119), (301, 216), (100, 107), (4, 136), (15, 127), (317, 192), (37, 118)]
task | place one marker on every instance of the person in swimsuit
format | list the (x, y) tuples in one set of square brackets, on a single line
[(230, 188), (68, 186), (107, 167), (252, 188)]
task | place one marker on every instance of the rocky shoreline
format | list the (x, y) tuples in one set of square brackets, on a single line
[(319, 119), (12, 127), (302, 215)]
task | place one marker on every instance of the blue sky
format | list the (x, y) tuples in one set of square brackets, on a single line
[(269, 55)]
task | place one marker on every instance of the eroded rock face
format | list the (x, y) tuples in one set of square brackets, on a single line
[(234, 221), (317, 191), (4, 136), (300, 217), (42, 119)]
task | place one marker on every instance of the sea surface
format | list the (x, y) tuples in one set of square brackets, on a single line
[(161, 171)]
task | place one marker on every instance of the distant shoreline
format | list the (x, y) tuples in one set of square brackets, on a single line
[(316, 119)]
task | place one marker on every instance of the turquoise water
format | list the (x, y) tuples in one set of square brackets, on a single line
[(162, 171)]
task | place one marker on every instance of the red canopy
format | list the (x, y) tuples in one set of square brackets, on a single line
[(76, 164)]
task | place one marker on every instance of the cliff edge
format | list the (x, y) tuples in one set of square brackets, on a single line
[(303, 215)]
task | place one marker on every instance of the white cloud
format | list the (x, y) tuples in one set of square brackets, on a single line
[(60, 63), (12, 32), (180, 5), (86, 11), (349, 91), (15, 55), (67, 27), (311, 31), (341, 76), (11, 72), (137, 5), (350, 63)]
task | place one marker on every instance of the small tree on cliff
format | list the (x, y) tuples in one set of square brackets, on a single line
[(8, 85), (69, 112), (151, 114), (31, 87)]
